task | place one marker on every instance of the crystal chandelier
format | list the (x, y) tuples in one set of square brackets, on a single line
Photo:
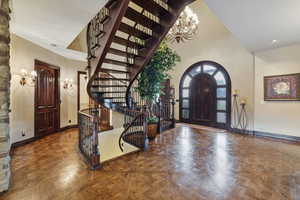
[(185, 27)]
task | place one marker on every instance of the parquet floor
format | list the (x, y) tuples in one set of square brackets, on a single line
[(188, 162)]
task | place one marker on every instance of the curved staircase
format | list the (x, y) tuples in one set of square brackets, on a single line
[(121, 40)]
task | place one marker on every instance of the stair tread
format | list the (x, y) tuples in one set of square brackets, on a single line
[(126, 42), (121, 53), (113, 71), (116, 62), (110, 92), (114, 97), (153, 8), (143, 20), (130, 30), (110, 86), (112, 79)]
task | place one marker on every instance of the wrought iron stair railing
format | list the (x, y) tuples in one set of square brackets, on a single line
[(121, 39), (166, 114), (88, 136)]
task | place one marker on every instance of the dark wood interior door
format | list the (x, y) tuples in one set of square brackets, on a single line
[(203, 99), (47, 102)]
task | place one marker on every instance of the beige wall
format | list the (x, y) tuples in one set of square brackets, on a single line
[(23, 54), (276, 117), (84, 97), (214, 42)]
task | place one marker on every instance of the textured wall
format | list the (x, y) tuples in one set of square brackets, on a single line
[(4, 96), (23, 54)]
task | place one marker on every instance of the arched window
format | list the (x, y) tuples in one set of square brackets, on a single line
[(205, 95)]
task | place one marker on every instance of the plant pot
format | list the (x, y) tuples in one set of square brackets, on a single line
[(152, 131)]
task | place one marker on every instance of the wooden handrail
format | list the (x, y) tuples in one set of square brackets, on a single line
[(87, 111)]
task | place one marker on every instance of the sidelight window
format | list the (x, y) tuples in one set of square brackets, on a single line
[(187, 81), (220, 79)]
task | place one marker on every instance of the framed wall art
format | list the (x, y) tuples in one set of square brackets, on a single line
[(282, 87)]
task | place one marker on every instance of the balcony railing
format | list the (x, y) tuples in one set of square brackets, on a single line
[(88, 136), (166, 114)]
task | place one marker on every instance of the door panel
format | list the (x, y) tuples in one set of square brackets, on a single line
[(47, 99), (203, 98)]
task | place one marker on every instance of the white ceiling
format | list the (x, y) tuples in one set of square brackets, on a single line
[(58, 22), (256, 23)]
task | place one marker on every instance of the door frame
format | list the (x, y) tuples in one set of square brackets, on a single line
[(79, 73), (219, 67), (38, 62)]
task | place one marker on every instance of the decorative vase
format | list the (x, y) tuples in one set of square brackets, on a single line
[(243, 118), (235, 110)]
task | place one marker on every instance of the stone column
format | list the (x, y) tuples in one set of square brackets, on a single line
[(4, 95)]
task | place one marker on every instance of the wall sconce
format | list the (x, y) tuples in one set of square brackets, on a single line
[(25, 76), (68, 83)]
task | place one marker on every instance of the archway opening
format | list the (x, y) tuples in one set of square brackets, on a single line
[(205, 95)]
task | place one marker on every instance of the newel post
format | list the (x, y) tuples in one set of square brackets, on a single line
[(173, 113)]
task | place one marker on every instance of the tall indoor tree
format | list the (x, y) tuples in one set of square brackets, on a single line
[(155, 73), (4, 95)]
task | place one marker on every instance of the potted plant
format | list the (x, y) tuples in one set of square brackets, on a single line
[(151, 79), (152, 127)]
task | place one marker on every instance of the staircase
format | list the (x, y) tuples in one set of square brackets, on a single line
[(121, 40)]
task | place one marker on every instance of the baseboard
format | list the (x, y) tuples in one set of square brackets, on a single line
[(68, 127), (24, 142), (277, 136), (240, 131), (30, 140), (266, 135)]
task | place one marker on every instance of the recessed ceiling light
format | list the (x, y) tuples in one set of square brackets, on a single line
[(274, 41), (54, 45)]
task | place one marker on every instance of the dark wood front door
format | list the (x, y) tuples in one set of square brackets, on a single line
[(47, 101), (203, 99)]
